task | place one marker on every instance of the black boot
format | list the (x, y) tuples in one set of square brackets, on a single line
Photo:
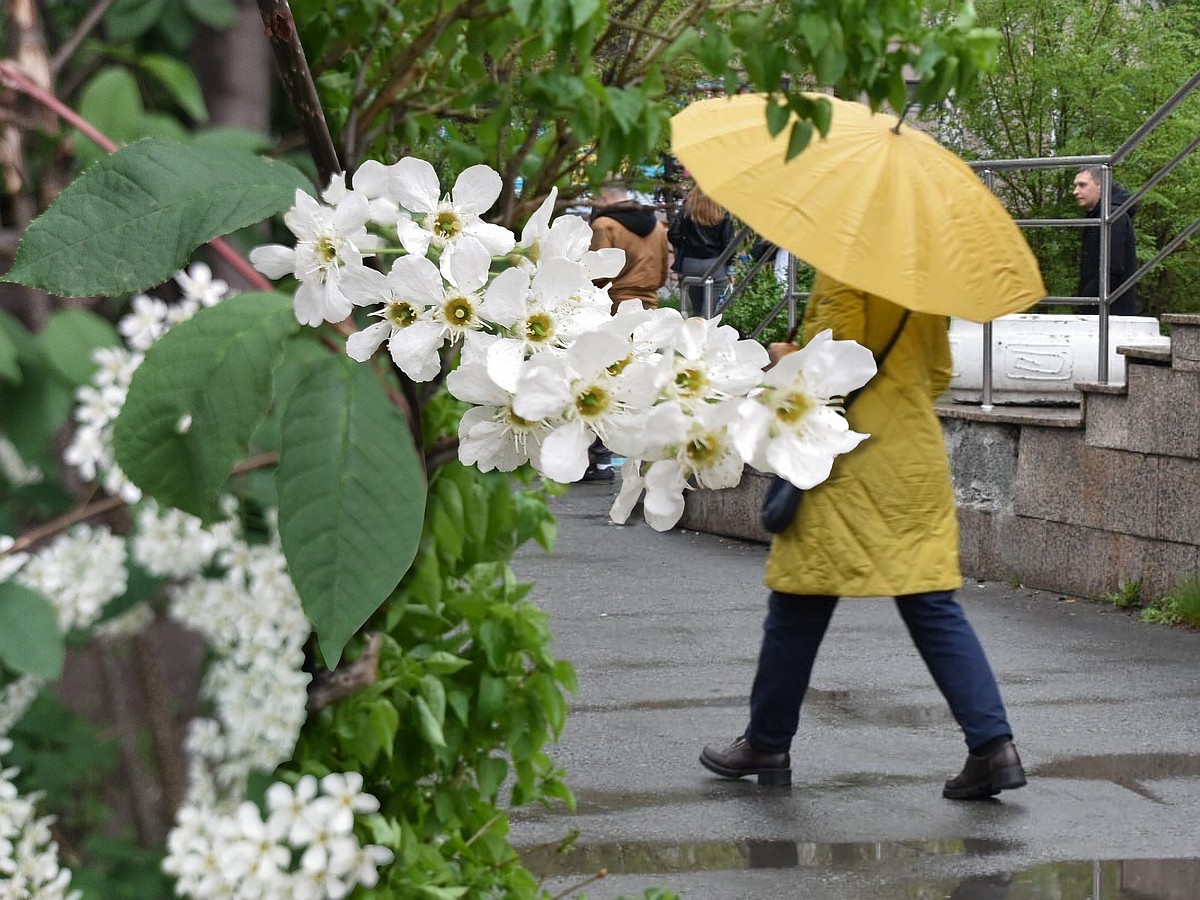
[(986, 775), (740, 759)]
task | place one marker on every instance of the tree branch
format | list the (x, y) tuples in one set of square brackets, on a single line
[(86, 25), (328, 687), (298, 82)]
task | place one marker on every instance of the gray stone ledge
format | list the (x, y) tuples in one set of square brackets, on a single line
[(1045, 416)]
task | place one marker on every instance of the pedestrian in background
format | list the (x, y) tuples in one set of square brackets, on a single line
[(699, 235), (883, 524), (620, 221), (1122, 256)]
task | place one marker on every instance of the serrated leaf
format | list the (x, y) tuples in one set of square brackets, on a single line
[(180, 82), (69, 339), (196, 400), (351, 498), (133, 219), (30, 641)]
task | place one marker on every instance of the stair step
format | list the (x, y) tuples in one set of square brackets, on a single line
[(1100, 387), (1156, 356)]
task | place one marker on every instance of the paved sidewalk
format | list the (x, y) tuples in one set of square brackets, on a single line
[(663, 630)]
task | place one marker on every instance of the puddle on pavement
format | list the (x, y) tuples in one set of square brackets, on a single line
[(1129, 770), (1135, 879)]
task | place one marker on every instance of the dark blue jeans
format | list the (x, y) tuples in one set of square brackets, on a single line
[(792, 634)]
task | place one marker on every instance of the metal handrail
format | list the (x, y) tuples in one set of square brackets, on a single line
[(1107, 294)]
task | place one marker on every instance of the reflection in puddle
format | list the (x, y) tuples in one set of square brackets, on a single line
[(645, 857), (1135, 879)]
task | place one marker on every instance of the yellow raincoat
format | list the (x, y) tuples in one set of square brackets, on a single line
[(885, 523)]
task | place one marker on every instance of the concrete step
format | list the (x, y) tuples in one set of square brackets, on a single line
[(1185, 340)]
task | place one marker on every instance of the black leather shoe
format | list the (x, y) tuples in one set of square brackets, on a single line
[(601, 474), (986, 776), (739, 759)]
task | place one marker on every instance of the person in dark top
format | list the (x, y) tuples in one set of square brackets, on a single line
[(1122, 258), (699, 235)]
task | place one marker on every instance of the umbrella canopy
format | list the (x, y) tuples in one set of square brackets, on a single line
[(889, 212)]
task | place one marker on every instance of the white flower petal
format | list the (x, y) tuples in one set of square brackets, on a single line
[(476, 190), (415, 185), (415, 350), (361, 345), (564, 455), (465, 265), (274, 260)]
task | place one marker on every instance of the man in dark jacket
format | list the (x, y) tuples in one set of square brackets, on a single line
[(1122, 258)]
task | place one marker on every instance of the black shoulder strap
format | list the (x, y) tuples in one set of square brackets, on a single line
[(880, 359)]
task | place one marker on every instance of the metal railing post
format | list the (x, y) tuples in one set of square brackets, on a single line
[(1102, 284), (985, 399)]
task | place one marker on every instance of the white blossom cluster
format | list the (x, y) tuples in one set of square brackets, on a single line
[(99, 403), (546, 368), (305, 848), (253, 621), (79, 573), (29, 868)]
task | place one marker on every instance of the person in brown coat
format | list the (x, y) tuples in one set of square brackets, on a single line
[(619, 221)]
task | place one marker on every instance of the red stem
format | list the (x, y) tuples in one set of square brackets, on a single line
[(14, 78)]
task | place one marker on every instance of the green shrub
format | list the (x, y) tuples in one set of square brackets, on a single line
[(1179, 607), (1128, 595), (758, 298)]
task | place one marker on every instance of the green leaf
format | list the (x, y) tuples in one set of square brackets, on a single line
[(197, 398), (229, 137), (431, 728), (112, 102), (69, 339), (351, 498), (180, 82), (30, 641), (491, 774), (216, 14), (130, 19), (626, 107), (132, 220), (9, 369), (815, 29), (801, 134), (778, 116), (822, 115)]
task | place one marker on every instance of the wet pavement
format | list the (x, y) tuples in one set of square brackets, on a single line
[(663, 631)]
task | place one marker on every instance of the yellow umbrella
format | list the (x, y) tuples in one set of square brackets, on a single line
[(893, 214)]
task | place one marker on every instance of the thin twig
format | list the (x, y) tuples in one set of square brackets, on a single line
[(86, 25), (93, 510)]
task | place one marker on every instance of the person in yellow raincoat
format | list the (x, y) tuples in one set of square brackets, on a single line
[(883, 524)]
